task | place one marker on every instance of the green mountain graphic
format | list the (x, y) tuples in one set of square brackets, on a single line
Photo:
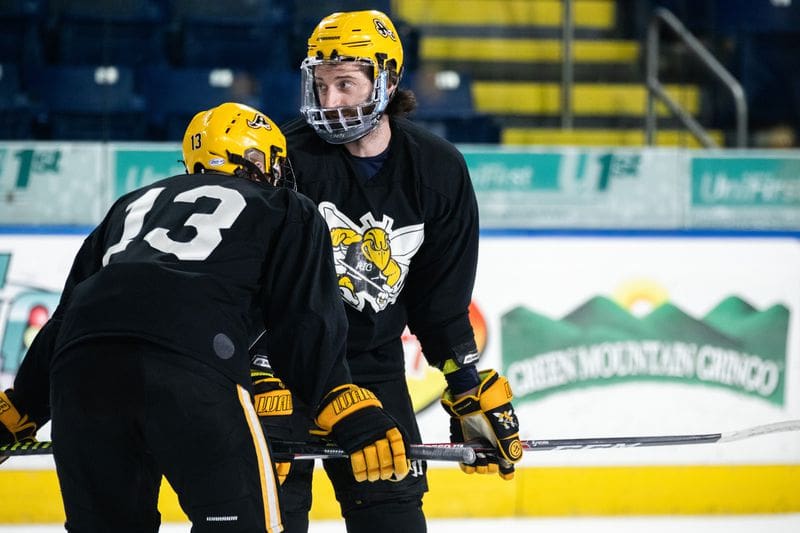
[(760, 332), (606, 315), (766, 332), (527, 329), (734, 346), (674, 324), (728, 313)]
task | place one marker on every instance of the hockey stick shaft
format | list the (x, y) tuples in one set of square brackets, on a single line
[(640, 442), (287, 451), (466, 454), (664, 440), (302, 450)]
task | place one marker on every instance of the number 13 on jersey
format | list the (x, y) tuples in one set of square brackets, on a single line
[(208, 225)]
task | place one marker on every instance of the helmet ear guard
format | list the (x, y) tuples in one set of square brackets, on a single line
[(365, 37)]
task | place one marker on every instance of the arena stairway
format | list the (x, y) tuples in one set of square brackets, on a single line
[(510, 51)]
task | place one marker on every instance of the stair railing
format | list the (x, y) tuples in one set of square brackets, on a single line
[(656, 90)]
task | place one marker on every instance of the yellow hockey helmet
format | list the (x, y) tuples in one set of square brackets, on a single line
[(236, 139), (365, 37)]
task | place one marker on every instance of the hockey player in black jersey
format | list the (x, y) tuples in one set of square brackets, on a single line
[(147, 352), (403, 220)]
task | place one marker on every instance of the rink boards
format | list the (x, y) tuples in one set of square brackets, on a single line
[(601, 334)]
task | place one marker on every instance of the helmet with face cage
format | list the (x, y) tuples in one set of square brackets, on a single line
[(366, 38)]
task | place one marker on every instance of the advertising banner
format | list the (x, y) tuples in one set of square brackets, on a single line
[(643, 336), (598, 336), (136, 165), (52, 183), (745, 190), (57, 184), (577, 187)]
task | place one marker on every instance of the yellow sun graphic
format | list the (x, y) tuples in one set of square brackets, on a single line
[(640, 296)]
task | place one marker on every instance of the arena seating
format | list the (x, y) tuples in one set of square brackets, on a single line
[(88, 102), (505, 56), (173, 95)]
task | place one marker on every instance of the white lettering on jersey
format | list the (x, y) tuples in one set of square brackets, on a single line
[(208, 225)]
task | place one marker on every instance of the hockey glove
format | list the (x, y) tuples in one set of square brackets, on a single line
[(14, 427), (487, 415), (273, 404), (355, 419)]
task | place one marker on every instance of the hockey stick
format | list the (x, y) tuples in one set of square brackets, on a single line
[(290, 451), (639, 442), (427, 452), (466, 453)]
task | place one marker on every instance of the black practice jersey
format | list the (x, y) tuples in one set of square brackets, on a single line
[(189, 261), (405, 243)]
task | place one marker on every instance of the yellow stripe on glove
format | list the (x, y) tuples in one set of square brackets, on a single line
[(355, 419), (273, 404), (487, 416)]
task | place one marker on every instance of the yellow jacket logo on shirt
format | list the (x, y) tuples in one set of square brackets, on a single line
[(372, 258)]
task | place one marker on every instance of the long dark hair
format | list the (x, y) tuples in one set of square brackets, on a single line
[(403, 103)]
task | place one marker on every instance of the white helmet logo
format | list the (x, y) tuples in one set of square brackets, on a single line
[(383, 30), (259, 121)]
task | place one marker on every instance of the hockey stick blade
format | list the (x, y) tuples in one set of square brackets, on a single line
[(289, 451), (640, 442)]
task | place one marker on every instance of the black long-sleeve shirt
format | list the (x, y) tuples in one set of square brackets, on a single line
[(188, 263), (405, 243)]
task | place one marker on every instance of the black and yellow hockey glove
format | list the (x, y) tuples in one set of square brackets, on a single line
[(273, 404), (489, 416), (15, 427), (355, 419)]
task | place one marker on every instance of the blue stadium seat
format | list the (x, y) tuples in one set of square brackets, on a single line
[(21, 34), (88, 103), (16, 115), (281, 90), (174, 95), (441, 94), (310, 13), (445, 106), (102, 32), (246, 34)]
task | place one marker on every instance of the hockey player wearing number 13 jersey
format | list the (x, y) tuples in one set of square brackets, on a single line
[(147, 352)]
